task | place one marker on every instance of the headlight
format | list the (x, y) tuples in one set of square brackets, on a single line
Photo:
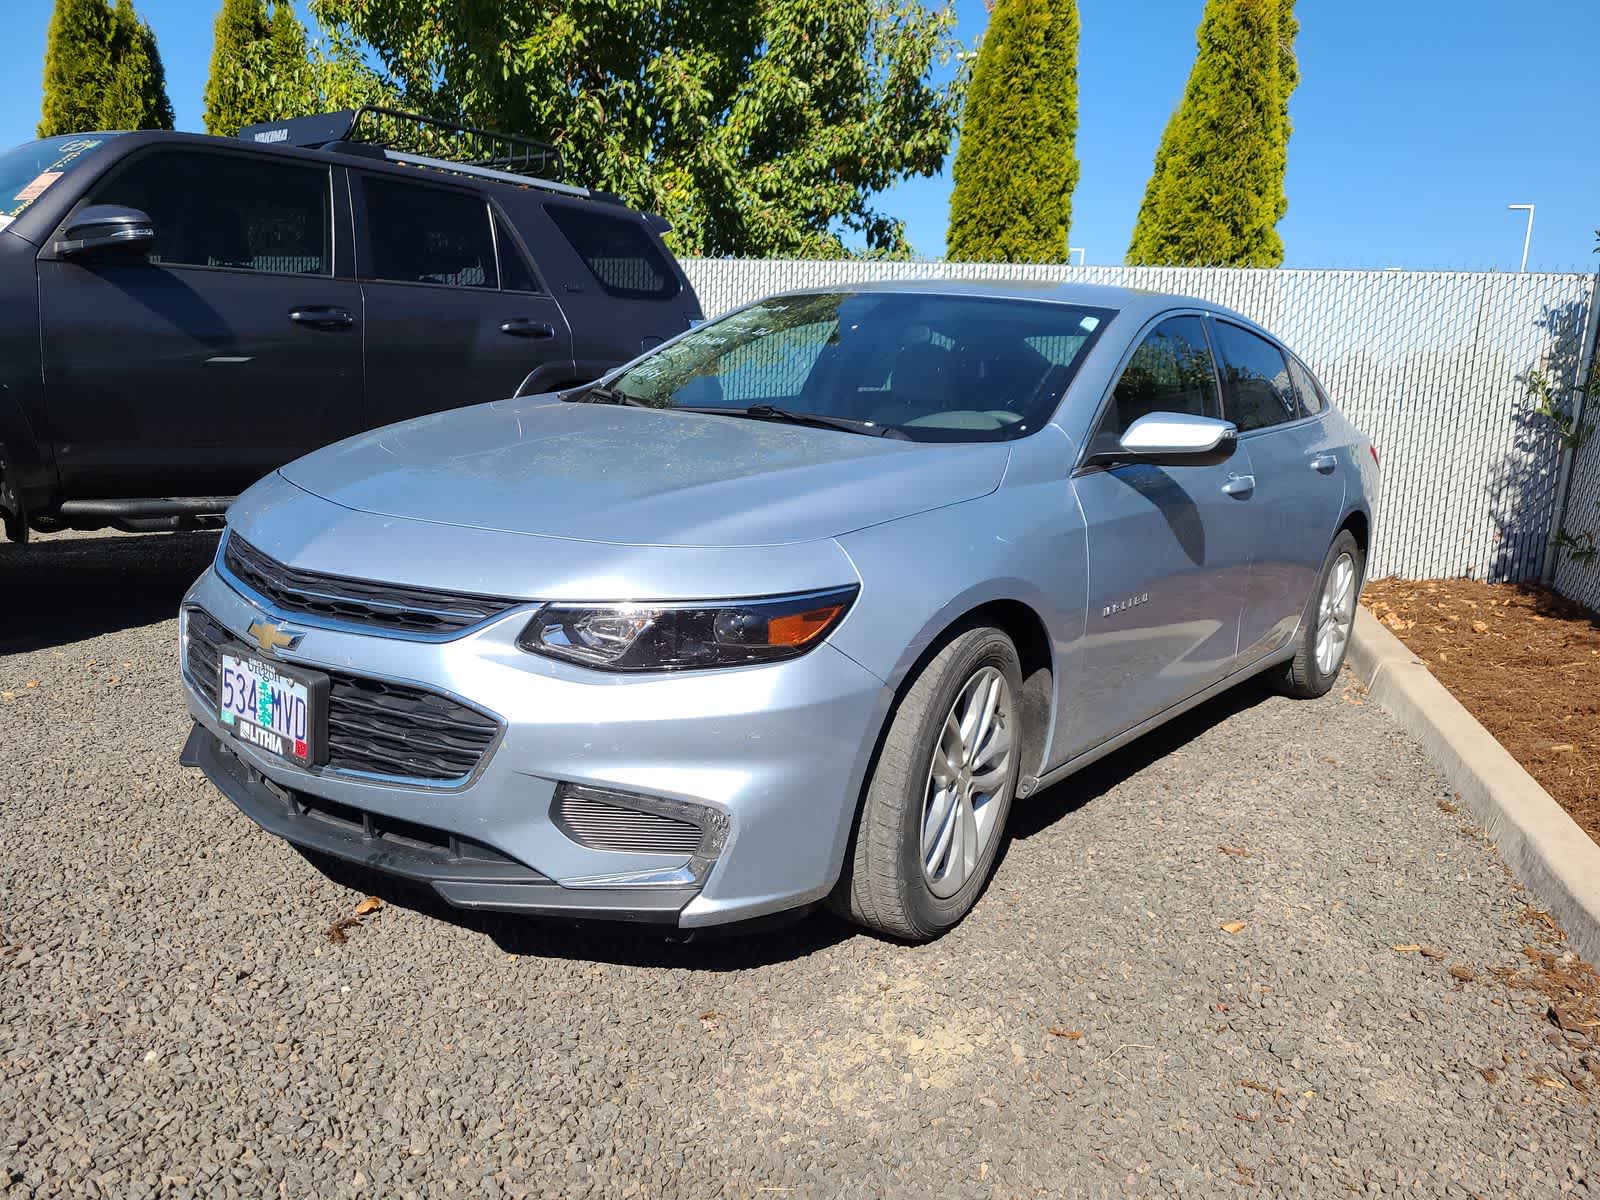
[(686, 636)]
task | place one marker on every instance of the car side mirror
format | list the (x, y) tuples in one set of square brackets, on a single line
[(106, 227), (1166, 439)]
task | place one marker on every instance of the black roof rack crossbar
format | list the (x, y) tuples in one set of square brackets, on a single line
[(423, 141)]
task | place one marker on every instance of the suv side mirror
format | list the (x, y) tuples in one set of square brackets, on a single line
[(102, 227), (1167, 439)]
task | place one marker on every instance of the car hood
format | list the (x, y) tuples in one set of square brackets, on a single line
[(636, 476)]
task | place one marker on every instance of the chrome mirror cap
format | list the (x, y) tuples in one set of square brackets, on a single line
[(1168, 434)]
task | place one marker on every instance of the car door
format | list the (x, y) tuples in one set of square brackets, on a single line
[(1168, 553), (455, 314), (232, 349), (1298, 487)]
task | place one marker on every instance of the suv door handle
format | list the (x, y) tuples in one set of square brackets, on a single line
[(522, 327), (1239, 485), (1325, 464), (322, 317)]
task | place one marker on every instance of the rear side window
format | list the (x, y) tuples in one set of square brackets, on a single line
[(617, 251), (1312, 401), (421, 234), (224, 210), (515, 274), (1257, 389), (1170, 371)]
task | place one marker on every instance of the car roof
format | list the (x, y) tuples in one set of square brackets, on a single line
[(1136, 302)]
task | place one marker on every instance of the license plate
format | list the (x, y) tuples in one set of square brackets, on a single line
[(275, 709)]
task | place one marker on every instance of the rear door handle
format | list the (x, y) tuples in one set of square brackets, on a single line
[(322, 317), (1239, 485), (1325, 464), (521, 327)]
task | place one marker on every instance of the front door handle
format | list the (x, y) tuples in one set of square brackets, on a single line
[(322, 317), (521, 327), (1239, 485), (1325, 464)]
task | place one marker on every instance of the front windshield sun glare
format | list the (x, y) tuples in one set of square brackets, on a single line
[(914, 365)]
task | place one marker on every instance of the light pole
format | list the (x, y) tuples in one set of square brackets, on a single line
[(1527, 238), (1079, 251)]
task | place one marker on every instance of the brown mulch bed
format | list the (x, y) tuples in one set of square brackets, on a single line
[(1523, 660)]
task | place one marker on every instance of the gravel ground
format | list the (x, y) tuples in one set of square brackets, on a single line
[(175, 1021)]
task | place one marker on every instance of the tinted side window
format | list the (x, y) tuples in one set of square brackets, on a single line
[(515, 274), (1312, 401), (224, 210), (1256, 377), (617, 251), (1171, 371), (420, 234)]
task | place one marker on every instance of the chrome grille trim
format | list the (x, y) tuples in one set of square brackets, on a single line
[(346, 601), (600, 825)]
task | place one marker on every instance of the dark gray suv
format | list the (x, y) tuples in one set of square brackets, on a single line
[(181, 314)]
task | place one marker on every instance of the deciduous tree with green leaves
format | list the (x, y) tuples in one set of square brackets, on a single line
[(760, 127), (1216, 194), (1015, 166)]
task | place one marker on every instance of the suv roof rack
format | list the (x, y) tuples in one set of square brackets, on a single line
[(421, 141)]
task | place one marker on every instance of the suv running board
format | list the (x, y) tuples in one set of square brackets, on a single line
[(142, 515)]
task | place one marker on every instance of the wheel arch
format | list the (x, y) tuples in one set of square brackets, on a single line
[(1360, 526)]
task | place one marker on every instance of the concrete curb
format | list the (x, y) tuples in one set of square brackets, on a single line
[(1557, 862)]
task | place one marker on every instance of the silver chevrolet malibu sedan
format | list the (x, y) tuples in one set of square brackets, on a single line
[(793, 608)]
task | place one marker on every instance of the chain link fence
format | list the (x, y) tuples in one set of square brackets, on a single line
[(1432, 365)]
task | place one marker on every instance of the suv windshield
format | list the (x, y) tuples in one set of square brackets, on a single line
[(28, 170), (929, 367)]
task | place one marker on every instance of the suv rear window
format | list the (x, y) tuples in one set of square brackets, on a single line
[(421, 234), (27, 170), (617, 251)]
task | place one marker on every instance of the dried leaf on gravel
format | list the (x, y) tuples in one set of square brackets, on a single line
[(1430, 952), (1448, 807), (1071, 1035), (1235, 851), (370, 905), (335, 933), (1233, 927), (1408, 948), (1464, 974)]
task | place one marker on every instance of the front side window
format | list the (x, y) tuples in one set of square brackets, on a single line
[(1257, 389), (617, 251), (925, 367), (32, 168), (1170, 371), (225, 210), (422, 234)]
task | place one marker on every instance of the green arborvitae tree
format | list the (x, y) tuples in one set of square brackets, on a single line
[(1015, 167), (760, 128), (291, 86), (1216, 194), (236, 90), (77, 66), (136, 97)]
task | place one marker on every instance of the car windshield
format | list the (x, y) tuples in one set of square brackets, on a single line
[(923, 366), (27, 170)]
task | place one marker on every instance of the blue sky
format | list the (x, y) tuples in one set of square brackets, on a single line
[(1415, 124)]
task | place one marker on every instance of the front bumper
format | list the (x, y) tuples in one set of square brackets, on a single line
[(779, 750)]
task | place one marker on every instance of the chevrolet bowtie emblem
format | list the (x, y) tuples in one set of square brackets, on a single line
[(271, 636)]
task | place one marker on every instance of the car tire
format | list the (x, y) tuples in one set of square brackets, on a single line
[(933, 817), (1327, 624)]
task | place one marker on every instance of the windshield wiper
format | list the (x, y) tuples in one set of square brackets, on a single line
[(771, 412), (599, 393)]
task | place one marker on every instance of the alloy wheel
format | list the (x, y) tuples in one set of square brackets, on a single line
[(1335, 613), (967, 782)]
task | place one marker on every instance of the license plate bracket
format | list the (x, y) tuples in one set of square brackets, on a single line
[(278, 709)]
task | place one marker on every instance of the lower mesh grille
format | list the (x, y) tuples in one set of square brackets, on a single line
[(600, 825), (374, 726)]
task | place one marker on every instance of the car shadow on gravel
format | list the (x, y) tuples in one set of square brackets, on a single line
[(62, 589), (737, 948), (1043, 810)]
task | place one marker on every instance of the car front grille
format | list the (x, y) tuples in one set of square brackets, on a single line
[(357, 601), (594, 823), (376, 727)]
